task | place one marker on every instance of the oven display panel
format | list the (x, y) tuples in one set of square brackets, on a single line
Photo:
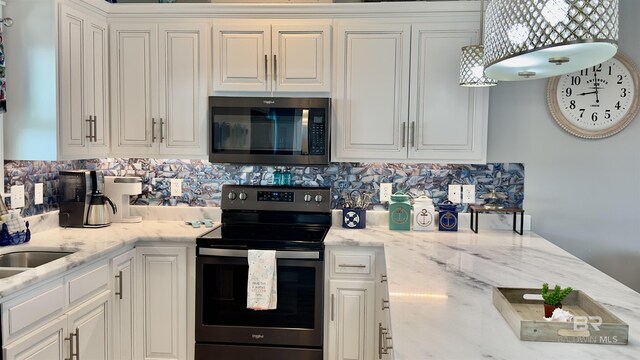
[(280, 196)]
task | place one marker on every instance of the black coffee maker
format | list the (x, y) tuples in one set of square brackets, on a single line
[(81, 199)]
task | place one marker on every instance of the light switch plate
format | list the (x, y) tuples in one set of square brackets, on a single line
[(468, 194), (176, 187), (385, 192), (38, 196), (454, 194), (17, 196)]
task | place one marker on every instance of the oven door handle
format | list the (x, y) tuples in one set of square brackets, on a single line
[(244, 253)]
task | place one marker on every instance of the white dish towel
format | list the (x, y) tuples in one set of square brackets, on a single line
[(262, 292)]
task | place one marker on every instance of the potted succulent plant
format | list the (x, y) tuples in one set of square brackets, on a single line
[(553, 298)]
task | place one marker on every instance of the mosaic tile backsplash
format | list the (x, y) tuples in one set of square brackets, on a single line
[(202, 181)]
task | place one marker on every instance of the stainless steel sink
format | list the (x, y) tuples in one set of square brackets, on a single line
[(5, 273), (29, 259)]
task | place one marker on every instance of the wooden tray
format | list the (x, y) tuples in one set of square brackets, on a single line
[(592, 324)]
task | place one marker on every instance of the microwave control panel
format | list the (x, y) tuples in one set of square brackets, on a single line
[(317, 136)]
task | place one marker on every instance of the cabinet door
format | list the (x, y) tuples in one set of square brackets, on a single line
[(351, 320), (123, 300), (448, 122), (90, 325), (96, 82), (371, 97), (163, 312), (183, 89), (301, 57), (46, 343), (241, 57), (134, 75), (73, 125)]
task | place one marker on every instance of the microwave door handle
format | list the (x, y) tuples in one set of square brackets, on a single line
[(305, 132), (244, 253)]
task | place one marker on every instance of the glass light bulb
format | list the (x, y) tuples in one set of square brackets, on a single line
[(555, 12), (518, 34)]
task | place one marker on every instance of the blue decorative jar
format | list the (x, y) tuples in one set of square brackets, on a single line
[(447, 216)]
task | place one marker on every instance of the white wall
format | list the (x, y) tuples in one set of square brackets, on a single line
[(583, 195)]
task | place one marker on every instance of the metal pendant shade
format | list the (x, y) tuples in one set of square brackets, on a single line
[(533, 39), (472, 62)]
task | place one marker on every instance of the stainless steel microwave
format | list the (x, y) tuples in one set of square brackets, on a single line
[(269, 130)]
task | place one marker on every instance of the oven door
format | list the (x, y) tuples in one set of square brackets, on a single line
[(221, 300)]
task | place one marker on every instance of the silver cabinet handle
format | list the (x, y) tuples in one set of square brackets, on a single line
[(404, 134), (70, 339), (266, 70), (359, 266), (88, 121), (385, 304), (333, 300), (77, 354), (153, 129), (275, 68), (383, 278), (161, 129), (119, 292), (95, 128), (412, 136), (383, 341)]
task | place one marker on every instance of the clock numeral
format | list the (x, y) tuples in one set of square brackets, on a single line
[(617, 105), (609, 70), (607, 114), (594, 117), (624, 92), (575, 80), (572, 104), (582, 112), (584, 72), (619, 79), (568, 91), (597, 68)]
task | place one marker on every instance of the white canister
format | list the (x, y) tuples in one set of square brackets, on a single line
[(424, 217)]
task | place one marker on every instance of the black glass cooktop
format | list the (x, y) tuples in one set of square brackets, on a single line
[(278, 237)]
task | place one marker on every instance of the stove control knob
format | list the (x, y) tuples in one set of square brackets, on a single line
[(232, 196), (243, 196), (318, 198), (307, 198)]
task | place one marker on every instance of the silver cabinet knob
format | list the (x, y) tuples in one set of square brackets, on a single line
[(307, 198), (243, 196), (318, 198), (232, 196)]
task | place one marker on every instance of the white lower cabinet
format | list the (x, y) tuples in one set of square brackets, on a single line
[(46, 343), (123, 298), (357, 306), (161, 313)]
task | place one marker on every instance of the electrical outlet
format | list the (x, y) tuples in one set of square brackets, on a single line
[(17, 196), (468, 194), (454, 194), (176, 187), (385, 191), (38, 196)]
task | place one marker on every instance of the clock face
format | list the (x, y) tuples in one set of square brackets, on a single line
[(598, 101)]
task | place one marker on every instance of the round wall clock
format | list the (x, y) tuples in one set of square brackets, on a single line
[(598, 101)]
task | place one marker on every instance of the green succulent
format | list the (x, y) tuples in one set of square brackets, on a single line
[(554, 297)]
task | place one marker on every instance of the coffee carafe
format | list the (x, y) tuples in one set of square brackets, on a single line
[(100, 206)]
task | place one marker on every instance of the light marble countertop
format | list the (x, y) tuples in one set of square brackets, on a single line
[(440, 287), (91, 244)]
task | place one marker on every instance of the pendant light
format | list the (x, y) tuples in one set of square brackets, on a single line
[(471, 61), (534, 39)]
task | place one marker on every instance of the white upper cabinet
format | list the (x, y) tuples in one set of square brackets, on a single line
[(159, 89), (82, 77), (397, 96), (262, 56), (371, 96), (448, 121)]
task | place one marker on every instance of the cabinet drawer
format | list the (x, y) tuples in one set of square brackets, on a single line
[(87, 282), (31, 309), (353, 264)]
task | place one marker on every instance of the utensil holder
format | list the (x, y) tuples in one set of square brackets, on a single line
[(354, 218)]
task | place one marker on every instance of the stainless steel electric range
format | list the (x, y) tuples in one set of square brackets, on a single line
[(291, 220)]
